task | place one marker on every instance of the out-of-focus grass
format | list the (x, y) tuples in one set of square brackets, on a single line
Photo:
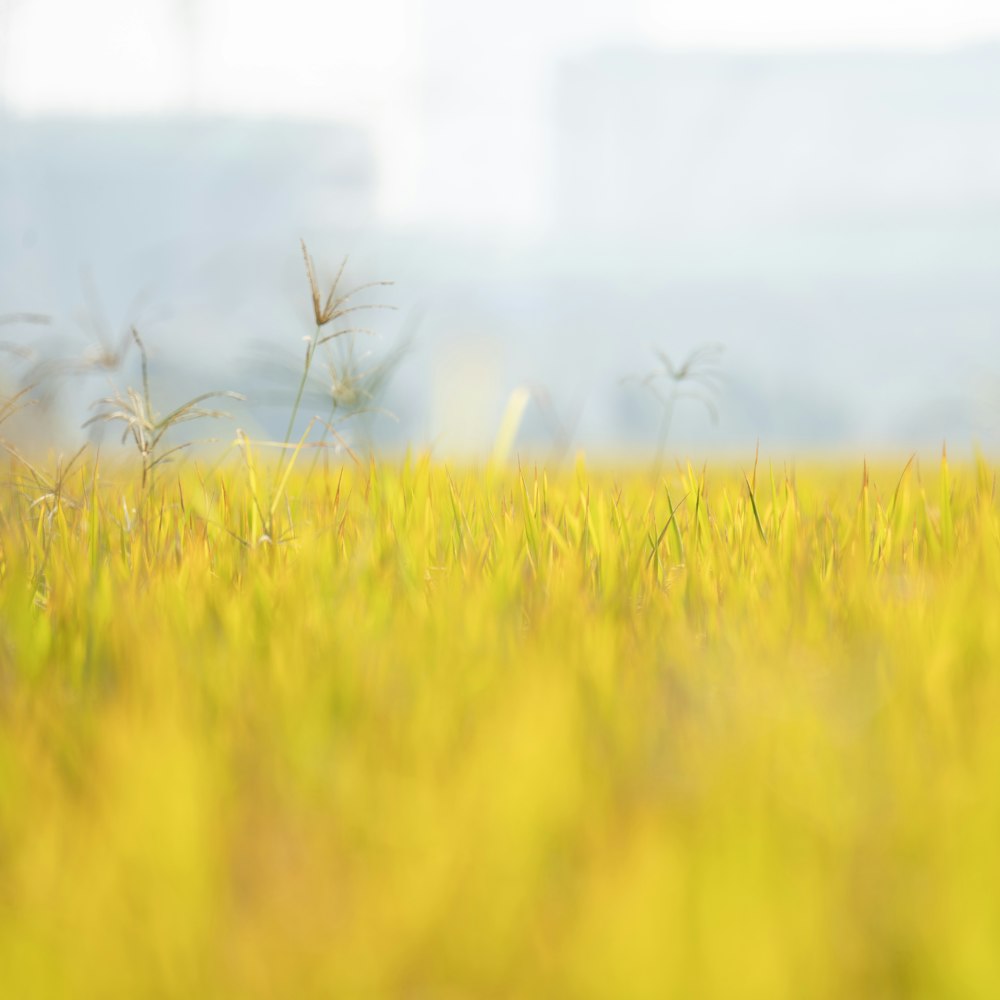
[(501, 734)]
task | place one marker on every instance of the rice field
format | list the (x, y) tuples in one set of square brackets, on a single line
[(403, 730)]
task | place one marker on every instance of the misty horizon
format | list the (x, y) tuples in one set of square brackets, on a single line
[(831, 218)]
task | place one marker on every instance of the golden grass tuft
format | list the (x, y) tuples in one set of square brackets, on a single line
[(500, 733)]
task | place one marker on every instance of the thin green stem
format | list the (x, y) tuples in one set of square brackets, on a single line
[(310, 351)]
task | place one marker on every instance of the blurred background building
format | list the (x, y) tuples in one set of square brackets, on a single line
[(558, 190)]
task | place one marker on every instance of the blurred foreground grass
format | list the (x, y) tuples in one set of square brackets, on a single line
[(493, 734)]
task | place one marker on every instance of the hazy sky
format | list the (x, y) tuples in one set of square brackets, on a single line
[(456, 97), (331, 57), (451, 91)]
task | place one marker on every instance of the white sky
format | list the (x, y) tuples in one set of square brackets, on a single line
[(450, 90), (350, 57)]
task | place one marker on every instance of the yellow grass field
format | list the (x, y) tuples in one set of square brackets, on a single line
[(403, 731)]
